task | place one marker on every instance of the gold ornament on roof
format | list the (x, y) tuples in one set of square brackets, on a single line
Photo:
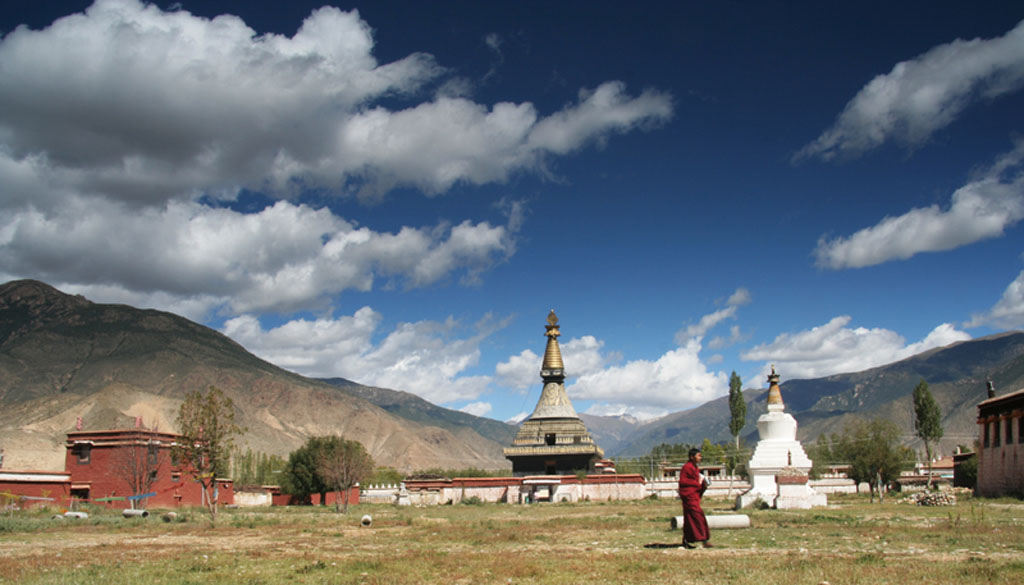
[(552, 353), (552, 326), (774, 392)]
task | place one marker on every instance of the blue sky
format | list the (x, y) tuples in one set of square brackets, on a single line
[(398, 192)]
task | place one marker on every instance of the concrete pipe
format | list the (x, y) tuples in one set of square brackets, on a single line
[(718, 521), (129, 513)]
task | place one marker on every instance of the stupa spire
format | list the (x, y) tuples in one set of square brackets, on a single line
[(552, 353), (774, 392)]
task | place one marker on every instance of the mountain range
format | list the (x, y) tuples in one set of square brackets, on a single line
[(956, 377), (63, 357)]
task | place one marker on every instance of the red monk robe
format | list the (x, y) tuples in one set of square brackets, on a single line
[(691, 488)]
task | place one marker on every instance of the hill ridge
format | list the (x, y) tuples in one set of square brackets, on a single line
[(63, 356)]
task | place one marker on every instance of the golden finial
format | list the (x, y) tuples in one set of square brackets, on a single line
[(552, 353), (551, 329)]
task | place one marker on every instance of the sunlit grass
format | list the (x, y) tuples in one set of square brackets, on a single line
[(851, 541)]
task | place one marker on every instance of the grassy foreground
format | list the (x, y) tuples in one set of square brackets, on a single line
[(851, 541)]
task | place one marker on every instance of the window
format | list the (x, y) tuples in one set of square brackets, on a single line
[(995, 433), (986, 441), (154, 453), (1020, 429), (549, 439), (152, 475), (1009, 432), (84, 452)]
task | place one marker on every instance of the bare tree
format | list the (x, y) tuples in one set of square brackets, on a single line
[(137, 464), (342, 464)]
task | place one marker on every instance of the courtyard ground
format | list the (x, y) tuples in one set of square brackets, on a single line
[(850, 542)]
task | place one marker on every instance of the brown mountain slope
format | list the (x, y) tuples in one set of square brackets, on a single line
[(63, 357)]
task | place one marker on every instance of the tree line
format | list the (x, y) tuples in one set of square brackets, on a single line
[(331, 463)]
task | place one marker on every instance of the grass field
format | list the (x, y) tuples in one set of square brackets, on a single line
[(851, 541)]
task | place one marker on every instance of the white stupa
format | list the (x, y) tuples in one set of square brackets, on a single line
[(778, 453)]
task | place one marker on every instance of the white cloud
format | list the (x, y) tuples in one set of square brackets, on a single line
[(426, 358), (741, 297), (736, 335), (643, 388), (145, 105), (285, 257), (708, 322), (477, 408), (519, 371), (924, 94), (981, 209), (675, 381), (582, 356), (118, 125), (1008, 312), (834, 348)]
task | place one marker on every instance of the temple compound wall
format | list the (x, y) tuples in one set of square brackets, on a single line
[(593, 488), (510, 490)]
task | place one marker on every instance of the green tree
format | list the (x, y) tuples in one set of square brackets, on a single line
[(341, 464), (207, 427), (927, 421), (873, 451), (737, 408), (301, 476), (256, 468)]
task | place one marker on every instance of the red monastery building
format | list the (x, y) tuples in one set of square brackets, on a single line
[(117, 466)]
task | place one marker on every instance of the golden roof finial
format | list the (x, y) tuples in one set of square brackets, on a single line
[(552, 353), (551, 329)]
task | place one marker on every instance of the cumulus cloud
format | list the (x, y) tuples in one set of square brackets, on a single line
[(981, 209), (582, 356), (120, 125), (675, 381), (923, 95), (146, 105), (283, 258), (834, 348), (428, 358), (1008, 312), (477, 408)]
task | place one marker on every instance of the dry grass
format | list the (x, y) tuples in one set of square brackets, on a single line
[(850, 542)]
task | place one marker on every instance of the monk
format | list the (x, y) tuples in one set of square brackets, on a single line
[(691, 488)]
